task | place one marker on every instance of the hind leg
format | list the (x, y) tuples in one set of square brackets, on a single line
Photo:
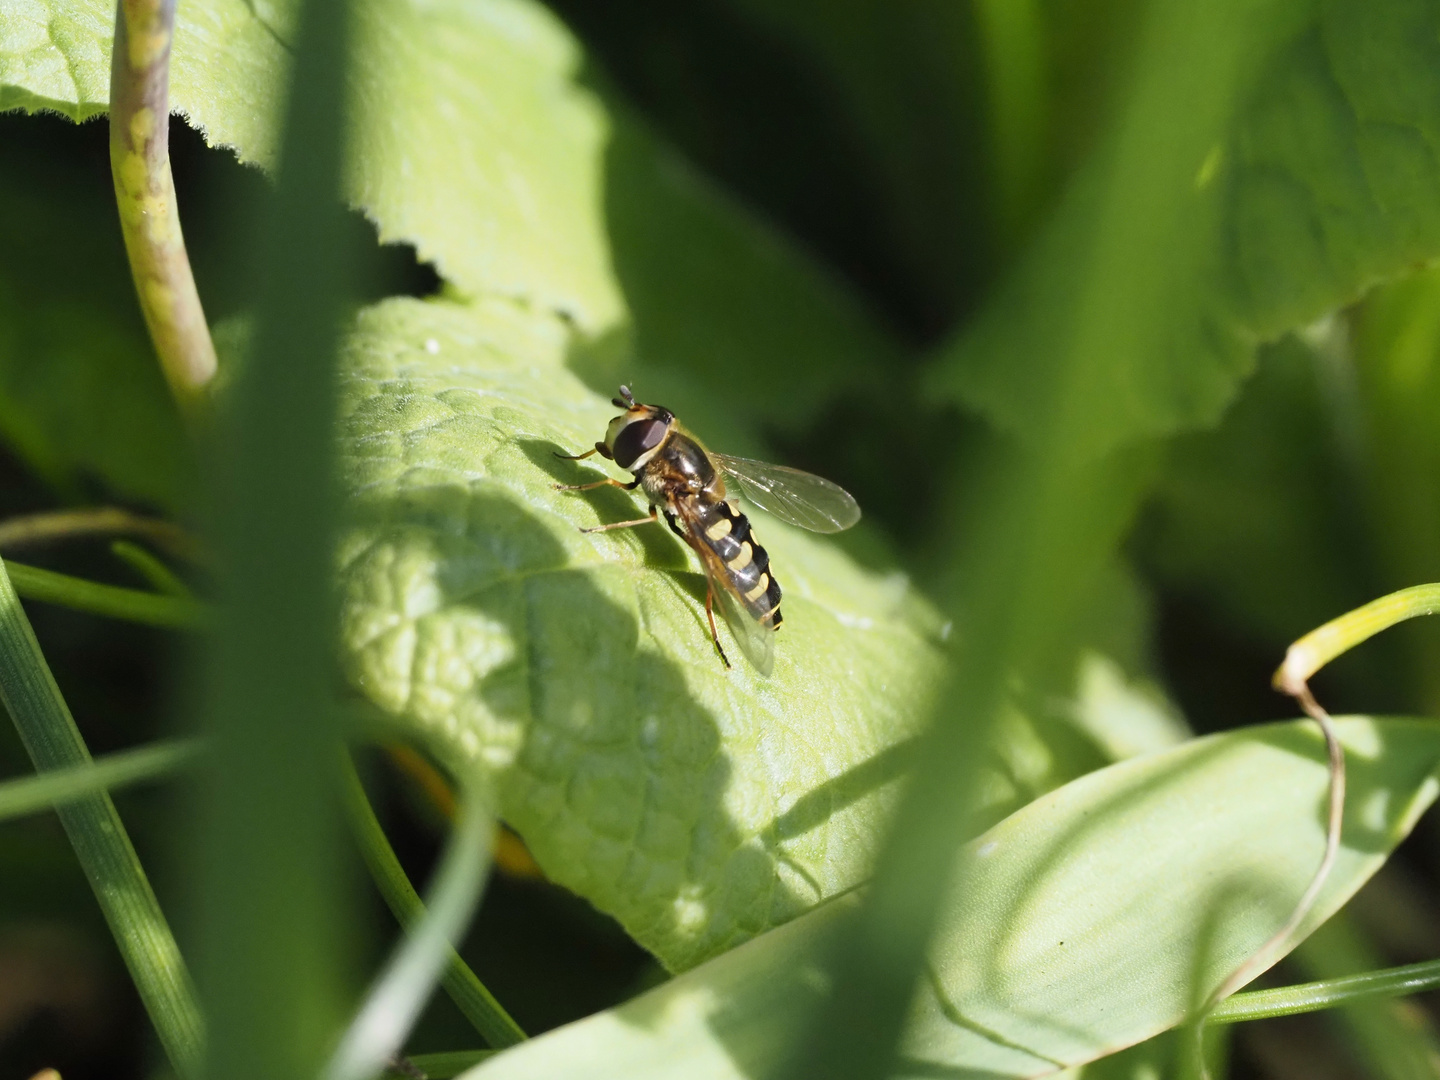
[(714, 634)]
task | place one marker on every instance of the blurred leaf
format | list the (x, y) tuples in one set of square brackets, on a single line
[(1260, 516), (1083, 924), (1397, 368), (80, 396), (1269, 164), (698, 806), (905, 75)]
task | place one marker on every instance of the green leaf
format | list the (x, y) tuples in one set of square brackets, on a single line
[(473, 139), (698, 806), (1080, 930), (1271, 163)]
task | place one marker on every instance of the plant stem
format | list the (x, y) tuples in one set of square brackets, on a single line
[(1327, 994), (1317, 648), (465, 989), (145, 195), (59, 524), (32, 794), (443, 1066), (48, 731), (132, 605)]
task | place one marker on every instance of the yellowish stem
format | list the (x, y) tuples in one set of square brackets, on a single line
[(145, 195)]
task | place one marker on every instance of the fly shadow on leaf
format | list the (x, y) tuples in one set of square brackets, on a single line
[(503, 657)]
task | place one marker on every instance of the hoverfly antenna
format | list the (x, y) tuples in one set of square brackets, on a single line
[(629, 398)]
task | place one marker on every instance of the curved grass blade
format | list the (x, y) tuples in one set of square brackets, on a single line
[(161, 577), (394, 1004), (465, 989)]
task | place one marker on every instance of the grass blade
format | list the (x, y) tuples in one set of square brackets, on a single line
[(276, 918), (161, 578), (101, 843), (33, 794), (132, 605)]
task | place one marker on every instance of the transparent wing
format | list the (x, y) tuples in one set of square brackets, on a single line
[(756, 639), (801, 498)]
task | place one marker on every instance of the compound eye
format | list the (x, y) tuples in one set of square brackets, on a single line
[(636, 438)]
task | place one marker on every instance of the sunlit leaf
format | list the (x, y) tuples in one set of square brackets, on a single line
[(698, 806), (1091, 920)]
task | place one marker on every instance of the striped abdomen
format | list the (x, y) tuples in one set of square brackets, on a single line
[(726, 532)]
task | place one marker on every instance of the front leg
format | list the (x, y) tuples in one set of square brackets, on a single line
[(598, 484), (599, 448), (674, 527)]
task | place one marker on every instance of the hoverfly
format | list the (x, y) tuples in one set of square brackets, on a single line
[(686, 483)]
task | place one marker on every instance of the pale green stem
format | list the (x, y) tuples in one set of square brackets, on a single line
[(96, 520), (399, 995), (1327, 994), (101, 843), (1302, 660), (132, 605), (32, 794), (465, 989)]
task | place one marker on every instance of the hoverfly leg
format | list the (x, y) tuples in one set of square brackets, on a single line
[(598, 484), (710, 614), (621, 524), (599, 448), (674, 527)]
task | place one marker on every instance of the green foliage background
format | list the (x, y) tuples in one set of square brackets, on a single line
[(1116, 318)]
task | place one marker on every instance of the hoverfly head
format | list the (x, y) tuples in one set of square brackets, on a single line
[(635, 436)]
